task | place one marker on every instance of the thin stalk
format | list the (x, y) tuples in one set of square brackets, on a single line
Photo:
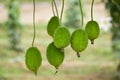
[(56, 8), (33, 23), (81, 10), (53, 7), (63, 4), (92, 10)]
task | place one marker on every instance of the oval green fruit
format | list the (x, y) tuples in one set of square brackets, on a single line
[(61, 37), (33, 59), (79, 41), (93, 30), (53, 24), (54, 55)]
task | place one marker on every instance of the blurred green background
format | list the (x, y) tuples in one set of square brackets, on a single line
[(97, 62)]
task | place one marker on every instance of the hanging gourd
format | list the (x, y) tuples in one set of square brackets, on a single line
[(33, 57)]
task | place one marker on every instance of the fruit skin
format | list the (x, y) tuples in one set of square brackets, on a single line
[(79, 40), (93, 30), (61, 37), (54, 55), (33, 59), (53, 24), (117, 2)]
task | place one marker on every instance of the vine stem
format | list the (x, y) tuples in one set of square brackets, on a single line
[(53, 7), (56, 8), (81, 10), (63, 4), (33, 23), (92, 10)]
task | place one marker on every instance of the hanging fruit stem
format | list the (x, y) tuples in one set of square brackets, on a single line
[(52, 2), (56, 8), (81, 10), (92, 10), (92, 41), (63, 4), (56, 71), (78, 54), (33, 23)]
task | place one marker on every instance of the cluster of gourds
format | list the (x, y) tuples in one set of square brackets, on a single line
[(61, 39)]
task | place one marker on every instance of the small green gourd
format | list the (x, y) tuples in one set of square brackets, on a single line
[(79, 41), (54, 55), (33, 59), (61, 37), (93, 30), (53, 24)]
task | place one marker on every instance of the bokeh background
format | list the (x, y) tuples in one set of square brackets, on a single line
[(98, 62)]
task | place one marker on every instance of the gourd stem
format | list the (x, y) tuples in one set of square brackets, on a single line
[(33, 22), (81, 10), (52, 2), (56, 8), (92, 41), (63, 4), (92, 10), (56, 71), (78, 54)]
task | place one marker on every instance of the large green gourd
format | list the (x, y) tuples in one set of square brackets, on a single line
[(54, 55), (33, 59), (79, 41), (53, 24), (61, 37), (93, 31)]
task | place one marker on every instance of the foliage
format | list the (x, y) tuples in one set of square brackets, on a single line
[(115, 14), (73, 14), (13, 25)]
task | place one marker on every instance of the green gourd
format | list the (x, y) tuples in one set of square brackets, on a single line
[(53, 24), (93, 30), (54, 55), (79, 41), (61, 37), (33, 59)]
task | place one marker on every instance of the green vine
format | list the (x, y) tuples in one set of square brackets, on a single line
[(52, 2), (81, 13), (92, 10), (56, 8), (63, 3), (54, 5), (33, 23)]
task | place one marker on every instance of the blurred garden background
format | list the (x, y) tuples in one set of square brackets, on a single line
[(98, 62)]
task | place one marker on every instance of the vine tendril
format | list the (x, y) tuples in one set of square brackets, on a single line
[(92, 10), (53, 7), (63, 3), (33, 23), (81, 13), (56, 8)]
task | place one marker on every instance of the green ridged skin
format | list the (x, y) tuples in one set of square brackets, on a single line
[(53, 24), (116, 2), (33, 59), (79, 40), (61, 37), (54, 55), (93, 30)]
